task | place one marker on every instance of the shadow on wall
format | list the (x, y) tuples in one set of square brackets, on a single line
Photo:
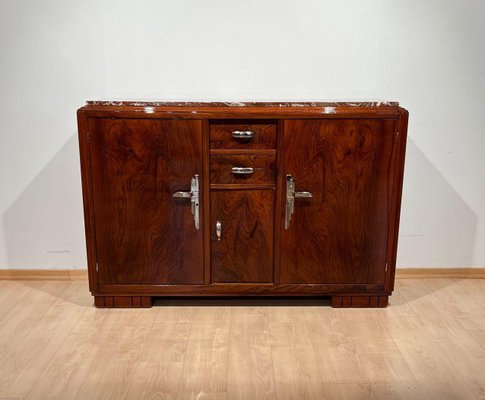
[(44, 227), (437, 227)]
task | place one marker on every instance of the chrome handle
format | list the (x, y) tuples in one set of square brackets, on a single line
[(303, 195), (242, 170), (186, 195), (218, 230), (243, 134), (290, 200), (194, 188), (291, 195), (193, 195)]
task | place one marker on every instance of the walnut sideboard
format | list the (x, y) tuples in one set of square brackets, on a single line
[(241, 199)]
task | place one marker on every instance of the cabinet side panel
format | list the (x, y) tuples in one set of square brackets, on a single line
[(396, 196), (89, 226)]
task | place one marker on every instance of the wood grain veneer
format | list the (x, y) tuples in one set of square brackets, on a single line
[(244, 252), (221, 135), (262, 165), (142, 242)]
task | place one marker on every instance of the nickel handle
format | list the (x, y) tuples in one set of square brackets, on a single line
[(291, 195), (242, 170), (243, 134), (303, 195), (193, 195), (218, 230)]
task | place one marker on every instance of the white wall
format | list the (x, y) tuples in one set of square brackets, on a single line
[(55, 54)]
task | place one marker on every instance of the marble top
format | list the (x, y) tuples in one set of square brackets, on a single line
[(244, 104)]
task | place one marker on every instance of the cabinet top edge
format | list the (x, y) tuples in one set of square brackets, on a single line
[(237, 104), (269, 110)]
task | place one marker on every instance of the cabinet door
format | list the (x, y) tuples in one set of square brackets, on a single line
[(242, 250), (340, 235), (143, 234)]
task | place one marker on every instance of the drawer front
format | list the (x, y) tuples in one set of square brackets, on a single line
[(242, 136), (242, 169)]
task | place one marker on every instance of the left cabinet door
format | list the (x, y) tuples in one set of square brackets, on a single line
[(144, 235)]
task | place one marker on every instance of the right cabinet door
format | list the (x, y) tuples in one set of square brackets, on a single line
[(340, 234)]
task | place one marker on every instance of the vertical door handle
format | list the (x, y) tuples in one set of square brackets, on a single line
[(291, 195), (218, 230), (193, 195)]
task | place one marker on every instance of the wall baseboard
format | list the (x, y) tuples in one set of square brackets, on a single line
[(82, 274), (43, 274), (456, 273)]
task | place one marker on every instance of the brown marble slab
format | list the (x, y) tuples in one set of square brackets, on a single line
[(243, 104)]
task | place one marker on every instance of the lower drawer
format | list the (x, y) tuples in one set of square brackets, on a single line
[(248, 169)]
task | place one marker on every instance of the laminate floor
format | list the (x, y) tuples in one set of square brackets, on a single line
[(428, 344)]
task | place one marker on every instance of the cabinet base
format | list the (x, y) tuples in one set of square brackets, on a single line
[(359, 301), (146, 301), (123, 301)]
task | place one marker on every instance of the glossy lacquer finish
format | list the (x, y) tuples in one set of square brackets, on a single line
[(263, 135), (263, 169), (340, 235), (143, 234), (142, 242), (244, 250)]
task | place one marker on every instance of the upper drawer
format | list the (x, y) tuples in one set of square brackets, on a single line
[(242, 135)]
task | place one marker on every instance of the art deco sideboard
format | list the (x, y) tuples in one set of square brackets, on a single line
[(242, 199)]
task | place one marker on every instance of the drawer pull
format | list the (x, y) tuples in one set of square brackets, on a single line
[(242, 170), (243, 134)]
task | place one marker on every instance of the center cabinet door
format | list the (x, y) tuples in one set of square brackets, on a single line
[(242, 236), (144, 235), (340, 235)]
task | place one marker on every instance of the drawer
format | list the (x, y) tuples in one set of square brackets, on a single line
[(232, 135), (242, 169)]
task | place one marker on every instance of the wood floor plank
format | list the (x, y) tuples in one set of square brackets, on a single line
[(475, 288), (381, 368), (24, 364), (457, 343), (167, 341), (250, 373), (334, 349), (167, 312), (429, 344), (435, 374), (478, 335), (201, 396), (458, 301), (296, 372), (10, 294), (112, 371), (398, 391), (348, 391), (27, 312), (64, 375), (367, 332), (155, 380), (207, 355)]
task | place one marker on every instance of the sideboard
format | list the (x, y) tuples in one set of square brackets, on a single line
[(241, 199)]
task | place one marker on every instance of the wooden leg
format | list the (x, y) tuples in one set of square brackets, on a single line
[(123, 301), (359, 301)]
